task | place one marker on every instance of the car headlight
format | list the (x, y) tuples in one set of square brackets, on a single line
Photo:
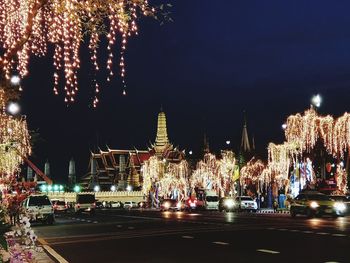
[(178, 205), (339, 206), (229, 203), (314, 204), (167, 205)]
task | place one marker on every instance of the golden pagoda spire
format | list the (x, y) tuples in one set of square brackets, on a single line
[(162, 141)]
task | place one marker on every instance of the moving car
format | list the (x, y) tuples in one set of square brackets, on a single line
[(39, 208), (211, 200), (312, 203), (227, 204), (191, 204), (171, 204), (342, 199), (246, 203), (60, 206), (85, 202)]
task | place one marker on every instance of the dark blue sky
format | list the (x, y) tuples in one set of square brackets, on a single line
[(216, 59)]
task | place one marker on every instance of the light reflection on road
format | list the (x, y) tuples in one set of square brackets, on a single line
[(229, 217)]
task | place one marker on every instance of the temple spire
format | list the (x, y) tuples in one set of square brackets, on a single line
[(245, 145), (162, 141)]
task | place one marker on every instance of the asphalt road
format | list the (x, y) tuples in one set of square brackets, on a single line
[(152, 236)]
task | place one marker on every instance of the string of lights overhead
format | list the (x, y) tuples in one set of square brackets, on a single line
[(28, 27)]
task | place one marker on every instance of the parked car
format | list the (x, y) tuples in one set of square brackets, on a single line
[(143, 204), (313, 203), (60, 206), (114, 204), (39, 208), (171, 205), (85, 202), (99, 204), (246, 203), (130, 205), (227, 204)]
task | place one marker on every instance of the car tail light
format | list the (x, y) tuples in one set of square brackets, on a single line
[(94, 205), (78, 205)]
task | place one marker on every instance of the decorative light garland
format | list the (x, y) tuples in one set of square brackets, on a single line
[(14, 142), (27, 27)]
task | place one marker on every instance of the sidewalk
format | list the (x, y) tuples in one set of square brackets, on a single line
[(42, 257)]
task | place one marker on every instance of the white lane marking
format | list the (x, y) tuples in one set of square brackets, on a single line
[(53, 253), (267, 251), (271, 228), (221, 243), (322, 233), (307, 232), (131, 227), (119, 226), (95, 222), (89, 221), (338, 235), (282, 229), (188, 237), (294, 230), (83, 220), (332, 262)]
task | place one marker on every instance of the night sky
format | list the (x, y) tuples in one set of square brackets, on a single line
[(217, 59)]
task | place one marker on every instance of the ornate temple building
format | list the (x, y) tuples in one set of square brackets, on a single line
[(123, 168)]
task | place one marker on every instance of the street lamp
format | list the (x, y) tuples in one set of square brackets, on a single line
[(113, 188), (190, 152), (316, 100), (77, 188), (128, 188), (97, 188), (228, 142), (284, 126)]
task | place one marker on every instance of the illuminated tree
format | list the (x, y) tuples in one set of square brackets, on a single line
[(29, 27)]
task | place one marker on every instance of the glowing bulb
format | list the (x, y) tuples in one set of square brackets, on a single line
[(13, 108), (316, 100), (15, 80), (124, 92)]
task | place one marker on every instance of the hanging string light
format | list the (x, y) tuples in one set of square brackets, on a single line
[(27, 27)]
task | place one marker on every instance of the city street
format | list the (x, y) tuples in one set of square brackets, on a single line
[(153, 236)]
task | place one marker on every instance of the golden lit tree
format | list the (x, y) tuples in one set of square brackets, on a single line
[(29, 27)]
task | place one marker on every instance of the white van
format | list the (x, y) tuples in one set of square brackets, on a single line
[(211, 200), (39, 208)]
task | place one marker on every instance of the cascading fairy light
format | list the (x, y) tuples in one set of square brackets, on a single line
[(252, 171), (28, 26), (14, 142), (165, 177), (341, 135)]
